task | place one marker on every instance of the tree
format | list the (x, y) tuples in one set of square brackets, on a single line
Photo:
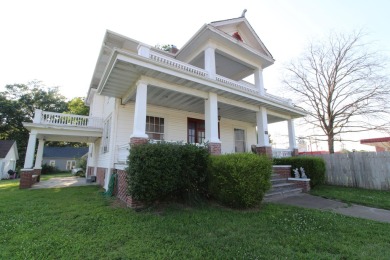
[(17, 105), (76, 106), (342, 86)]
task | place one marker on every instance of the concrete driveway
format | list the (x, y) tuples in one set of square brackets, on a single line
[(62, 182), (314, 202)]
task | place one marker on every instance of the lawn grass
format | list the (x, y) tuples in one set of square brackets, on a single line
[(79, 223), (372, 198)]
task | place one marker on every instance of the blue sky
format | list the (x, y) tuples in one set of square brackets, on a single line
[(58, 42)]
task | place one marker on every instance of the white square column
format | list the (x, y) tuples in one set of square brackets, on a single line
[(262, 127), (291, 137), (259, 83), (139, 125), (29, 159), (263, 147), (209, 62), (211, 123), (38, 159)]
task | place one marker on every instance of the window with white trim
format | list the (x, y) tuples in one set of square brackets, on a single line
[(239, 140), (52, 163), (106, 135), (155, 127), (70, 164)]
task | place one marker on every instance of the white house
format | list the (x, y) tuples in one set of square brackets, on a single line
[(8, 157), (196, 94)]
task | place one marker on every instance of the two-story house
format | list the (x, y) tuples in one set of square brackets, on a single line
[(196, 94)]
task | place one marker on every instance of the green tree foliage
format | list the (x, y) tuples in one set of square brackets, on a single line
[(17, 105), (76, 106)]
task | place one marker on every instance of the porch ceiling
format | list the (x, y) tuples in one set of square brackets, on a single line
[(177, 100)]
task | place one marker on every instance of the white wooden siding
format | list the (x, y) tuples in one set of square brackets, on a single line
[(176, 126)]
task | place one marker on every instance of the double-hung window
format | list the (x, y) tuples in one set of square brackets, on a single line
[(106, 135), (155, 127)]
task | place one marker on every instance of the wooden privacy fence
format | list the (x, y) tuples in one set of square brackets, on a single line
[(367, 170)]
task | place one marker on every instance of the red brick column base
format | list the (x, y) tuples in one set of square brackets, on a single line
[(122, 191), (26, 180), (38, 173), (100, 176), (295, 152), (301, 183), (214, 148), (138, 140), (264, 150), (90, 171), (284, 171)]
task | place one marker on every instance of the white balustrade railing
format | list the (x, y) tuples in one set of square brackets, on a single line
[(279, 99), (51, 118), (122, 153), (238, 85), (281, 153), (177, 64)]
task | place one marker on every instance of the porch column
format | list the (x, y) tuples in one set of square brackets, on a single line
[(211, 124), (259, 81), (263, 146), (38, 159), (291, 137), (209, 62), (139, 136), (29, 159)]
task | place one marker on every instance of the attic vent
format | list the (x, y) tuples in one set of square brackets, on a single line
[(237, 36)]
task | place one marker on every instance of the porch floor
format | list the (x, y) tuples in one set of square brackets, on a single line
[(62, 182)]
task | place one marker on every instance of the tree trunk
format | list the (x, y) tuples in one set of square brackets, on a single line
[(331, 142)]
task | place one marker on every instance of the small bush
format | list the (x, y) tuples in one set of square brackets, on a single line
[(165, 170), (46, 169), (314, 167), (239, 180)]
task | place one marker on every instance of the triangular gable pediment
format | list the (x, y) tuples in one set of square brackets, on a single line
[(241, 30)]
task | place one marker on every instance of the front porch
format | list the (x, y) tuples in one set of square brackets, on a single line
[(49, 126)]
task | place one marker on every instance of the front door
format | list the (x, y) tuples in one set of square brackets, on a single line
[(196, 131)]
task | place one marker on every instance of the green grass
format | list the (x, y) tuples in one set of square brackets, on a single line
[(372, 198), (79, 223)]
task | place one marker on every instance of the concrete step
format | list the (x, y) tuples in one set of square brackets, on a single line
[(281, 187), (278, 181), (275, 195)]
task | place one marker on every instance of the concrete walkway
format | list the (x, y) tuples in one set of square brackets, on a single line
[(315, 202), (62, 182)]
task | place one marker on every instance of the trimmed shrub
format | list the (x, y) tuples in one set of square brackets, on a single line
[(314, 167), (239, 180), (165, 170), (46, 169)]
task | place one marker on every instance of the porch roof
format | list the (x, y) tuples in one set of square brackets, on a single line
[(124, 69)]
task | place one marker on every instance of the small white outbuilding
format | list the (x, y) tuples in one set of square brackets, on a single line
[(8, 157)]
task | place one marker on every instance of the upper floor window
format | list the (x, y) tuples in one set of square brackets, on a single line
[(155, 127), (106, 134)]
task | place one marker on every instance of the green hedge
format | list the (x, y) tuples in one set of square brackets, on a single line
[(165, 170), (239, 180), (314, 167)]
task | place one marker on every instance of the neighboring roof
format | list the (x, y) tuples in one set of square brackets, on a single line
[(383, 142), (64, 152), (5, 146), (375, 140)]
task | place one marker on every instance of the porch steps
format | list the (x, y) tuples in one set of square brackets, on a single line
[(280, 188)]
